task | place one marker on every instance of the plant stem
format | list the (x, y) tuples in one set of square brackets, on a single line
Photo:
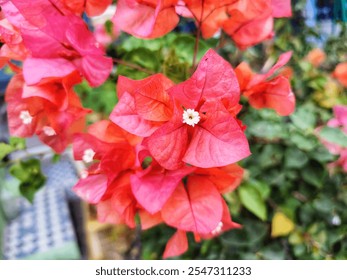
[(132, 65), (197, 39), (196, 47)]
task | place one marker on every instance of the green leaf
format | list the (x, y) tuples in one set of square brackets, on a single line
[(5, 149), (314, 174), (306, 143), (267, 130), (101, 99), (295, 158), (304, 117), (184, 48), (140, 57), (253, 201), (30, 176), (18, 143), (334, 135)]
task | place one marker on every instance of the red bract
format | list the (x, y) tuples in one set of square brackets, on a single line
[(59, 42), (196, 208), (143, 105), (13, 47), (50, 110), (251, 22), (209, 14), (153, 186), (266, 91), (202, 132), (178, 243), (92, 7), (146, 18), (107, 181)]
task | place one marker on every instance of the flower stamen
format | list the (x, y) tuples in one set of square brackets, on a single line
[(88, 155), (191, 117), (25, 117)]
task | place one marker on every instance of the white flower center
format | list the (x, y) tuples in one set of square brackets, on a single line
[(25, 117), (88, 155), (191, 117), (218, 229), (49, 131), (84, 174)]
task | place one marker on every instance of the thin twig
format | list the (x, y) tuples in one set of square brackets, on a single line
[(132, 65), (197, 39)]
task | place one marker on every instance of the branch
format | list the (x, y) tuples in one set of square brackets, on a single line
[(133, 66)]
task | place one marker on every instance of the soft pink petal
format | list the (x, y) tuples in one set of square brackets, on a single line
[(218, 141), (125, 115), (168, 144), (177, 245), (92, 188), (36, 69), (151, 99), (214, 78), (152, 189), (106, 213), (96, 69), (148, 220), (281, 8), (197, 208), (277, 95)]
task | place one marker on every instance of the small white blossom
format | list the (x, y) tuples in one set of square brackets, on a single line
[(191, 117), (218, 229), (25, 117), (49, 131), (88, 155), (336, 220)]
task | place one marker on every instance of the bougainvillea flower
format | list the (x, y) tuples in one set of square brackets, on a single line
[(106, 183), (91, 7), (266, 91), (143, 105), (251, 22), (113, 148), (202, 132), (340, 73), (146, 18), (114, 200), (178, 243), (51, 110), (13, 47), (102, 138), (59, 42)]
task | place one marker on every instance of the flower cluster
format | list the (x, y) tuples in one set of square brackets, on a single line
[(168, 154), (169, 151), (56, 50), (247, 22)]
